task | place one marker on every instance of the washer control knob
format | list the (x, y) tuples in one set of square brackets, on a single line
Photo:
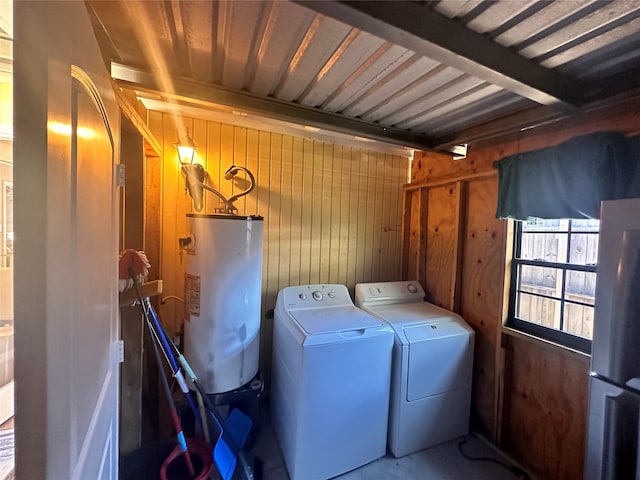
[(412, 288), (317, 296), (331, 294), (302, 296)]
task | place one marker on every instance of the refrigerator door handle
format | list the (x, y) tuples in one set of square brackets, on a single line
[(613, 432), (629, 387)]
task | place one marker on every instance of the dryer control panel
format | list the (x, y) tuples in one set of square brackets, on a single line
[(314, 296), (387, 293)]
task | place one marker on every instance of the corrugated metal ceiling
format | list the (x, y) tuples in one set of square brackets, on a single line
[(420, 74)]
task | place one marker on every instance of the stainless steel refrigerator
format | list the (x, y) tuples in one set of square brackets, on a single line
[(614, 392)]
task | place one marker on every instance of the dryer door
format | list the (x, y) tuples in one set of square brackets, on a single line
[(440, 356)]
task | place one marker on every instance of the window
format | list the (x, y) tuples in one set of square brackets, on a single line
[(553, 280)]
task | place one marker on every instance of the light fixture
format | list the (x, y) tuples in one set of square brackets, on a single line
[(459, 152), (195, 175), (186, 148)]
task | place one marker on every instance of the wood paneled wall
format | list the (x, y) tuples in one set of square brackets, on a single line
[(529, 398), (545, 408), (463, 253), (484, 245), (332, 214)]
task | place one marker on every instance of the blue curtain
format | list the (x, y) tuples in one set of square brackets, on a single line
[(571, 179)]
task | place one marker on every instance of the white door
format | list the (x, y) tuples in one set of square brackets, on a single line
[(66, 222)]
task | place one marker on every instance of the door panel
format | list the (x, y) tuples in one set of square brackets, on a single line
[(93, 393), (66, 223)]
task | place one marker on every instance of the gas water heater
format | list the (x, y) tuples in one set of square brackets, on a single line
[(223, 283)]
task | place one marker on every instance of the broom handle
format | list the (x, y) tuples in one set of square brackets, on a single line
[(194, 379), (174, 364), (246, 470), (165, 384), (172, 406)]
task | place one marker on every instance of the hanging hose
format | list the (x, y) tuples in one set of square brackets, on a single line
[(201, 452)]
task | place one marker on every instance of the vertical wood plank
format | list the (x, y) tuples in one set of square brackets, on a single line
[(263, 196), (423, 235), (339, 232), (414, 233), (442, 235), (211, 159), (227, 158), (307, 206), (353, 160), (378, 205), (253, 138), (286, 181), (316, 204), (198, 129), (325, 212), (170, 192), (386, 229), (274, 237), (407, 196), (152, 201), (293, 150), (364, 236), (239, 183), (370, 230), (481, 301), (459, 222)]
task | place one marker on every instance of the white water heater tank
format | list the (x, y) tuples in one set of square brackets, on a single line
[(223, 282)]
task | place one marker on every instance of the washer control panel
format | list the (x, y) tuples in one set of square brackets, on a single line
[(309, 296)]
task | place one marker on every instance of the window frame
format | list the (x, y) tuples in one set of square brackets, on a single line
[(557, 336)]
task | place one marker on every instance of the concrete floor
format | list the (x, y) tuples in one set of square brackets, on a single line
[(442, 462)]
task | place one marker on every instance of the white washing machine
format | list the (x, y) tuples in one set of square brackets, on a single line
[(432, 365), (330, 382)]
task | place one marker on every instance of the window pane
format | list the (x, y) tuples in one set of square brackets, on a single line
[(540, 310), (581, 287), (584, 249), (545, 247), (585, 225), (555, 297), (578, 320), (541, 280), (540, 224)]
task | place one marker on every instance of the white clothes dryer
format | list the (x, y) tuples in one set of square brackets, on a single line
[(330, 382), (432, 365)]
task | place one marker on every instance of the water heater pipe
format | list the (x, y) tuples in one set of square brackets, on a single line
[(195, 182)]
